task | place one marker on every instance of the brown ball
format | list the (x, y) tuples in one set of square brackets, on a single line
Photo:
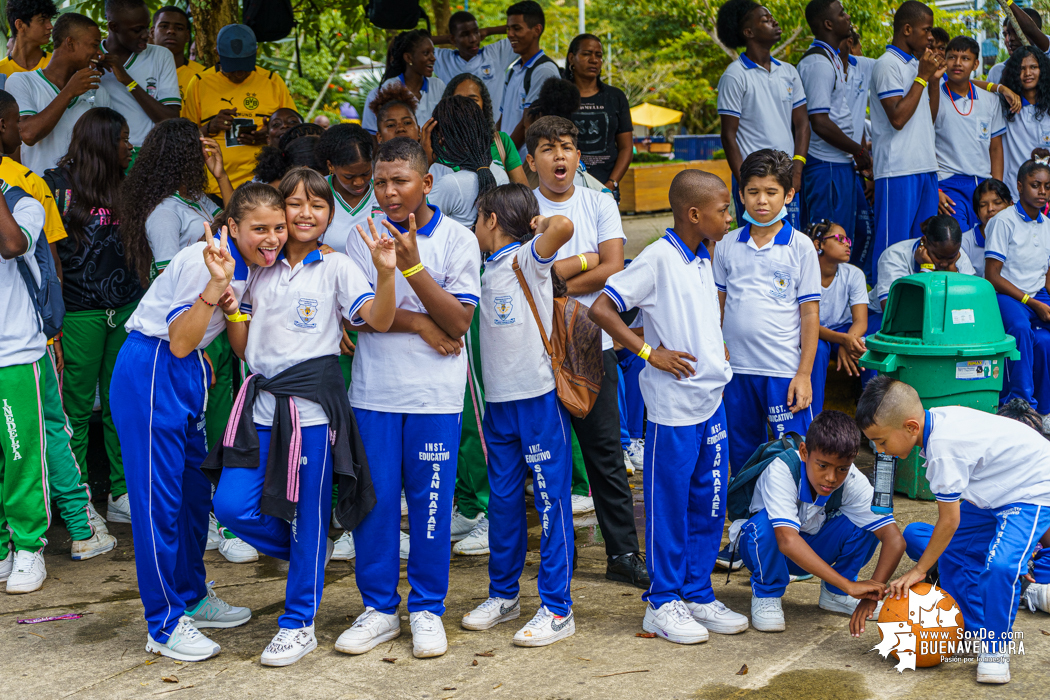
[(936, 625)]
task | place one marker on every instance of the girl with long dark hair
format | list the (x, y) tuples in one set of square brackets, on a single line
[(1028, 74), (504, 152), (99, 289), (410, 62)]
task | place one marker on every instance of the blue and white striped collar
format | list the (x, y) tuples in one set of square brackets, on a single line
[(687, 255), (904, 56), (824, 45), (528, 64), (426, 84), (311, 257), (783, 236), (503, 252), (1024, 215), (427, 230), (805, 491), (240, 267), (749, 64), (852, 60), (927, 428)]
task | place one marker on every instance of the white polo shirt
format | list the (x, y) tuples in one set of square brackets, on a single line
[(429, 95), (790, 503), (35, 92), (175, 291), (764, 288), (1022, 245), (973, 246), (515, 99), (1023, 134), (456, 194), (175, 224), (21, 340), (595, 219), (985, 459), (899, 261), (965, 127), (489, 64), (345, 221), (762, 100), (827, 92), (399, 372), (513, 360), (154, 71), (837, 300), (675, 288), (858, 77), (296, 316), (909, 151)]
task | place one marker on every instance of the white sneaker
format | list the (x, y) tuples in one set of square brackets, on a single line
[(717, 618), (545, 628), (530, 489), (629, 464), (1037, 596), (214, 536), (98, 523), (405, 542), (186, 643), (672, 621), (288, 646), (27, 572), (213, 611), (477, 542), (6, 564), (335, 521), (842, 603), (428, 635), (992, 668), (99, 543), (119, 511), (371, 628), (404, 504), (330, 545), (492, 612), (237, 551), (461, 524), (344, 547), (582, 504), (767, 615), (636, 451)]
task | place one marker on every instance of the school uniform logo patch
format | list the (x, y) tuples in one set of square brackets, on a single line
[(306, 314), (504, 307), (486, 72), (151, 87), (781, 284), (984, 130)]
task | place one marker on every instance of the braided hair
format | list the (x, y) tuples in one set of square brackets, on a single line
[(486, 98), (405, 42), (461, 138), (574, 48)]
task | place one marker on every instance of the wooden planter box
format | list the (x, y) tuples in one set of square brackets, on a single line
[(644, 187)]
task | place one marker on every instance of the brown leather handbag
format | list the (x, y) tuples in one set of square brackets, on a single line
[(575, 349)]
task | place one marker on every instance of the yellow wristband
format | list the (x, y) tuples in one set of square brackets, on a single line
[(800, 158), (583, 262), (239, 317), (644, 352), (927, 266), (1024, 299), (132, 85), (990, 87), (413, 270), (922, 82), (1009, 3)]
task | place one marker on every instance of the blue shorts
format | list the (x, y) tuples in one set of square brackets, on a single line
[(901, 205), (831, 193)]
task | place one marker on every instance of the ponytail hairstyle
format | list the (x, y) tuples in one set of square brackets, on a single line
[(405, 42), (515, 207), (818, 229), (295, 148), (461, 138), (246, 199), (574, 48), (486, 97)]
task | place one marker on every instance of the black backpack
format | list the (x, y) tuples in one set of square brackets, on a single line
[(528, 71), (271, 20), (396, 14), (46, 296)]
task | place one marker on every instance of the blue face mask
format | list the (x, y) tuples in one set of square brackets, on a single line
[(751, 220)]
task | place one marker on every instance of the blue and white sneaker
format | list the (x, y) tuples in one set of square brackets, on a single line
[(186, 643), (727, 559), (213, 611)]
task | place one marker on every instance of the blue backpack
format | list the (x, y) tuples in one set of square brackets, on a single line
[(742, 486), (46, 296)]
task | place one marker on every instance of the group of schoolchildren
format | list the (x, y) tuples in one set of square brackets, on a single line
[(725, 332)]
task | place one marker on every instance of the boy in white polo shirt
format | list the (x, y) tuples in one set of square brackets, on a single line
[(489, 63), (521, 87), (141, 78), (991, 477), (25, 512), (811, 513), (686, 470), (969, 129), (51, 99), (407, 394), (904, 89), (761, 100), (1016, 254)]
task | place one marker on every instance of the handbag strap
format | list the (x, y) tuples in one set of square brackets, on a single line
[(501, 150), (532, 305)]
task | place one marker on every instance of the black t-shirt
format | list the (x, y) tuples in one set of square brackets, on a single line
[(95, 274), (601, 117)]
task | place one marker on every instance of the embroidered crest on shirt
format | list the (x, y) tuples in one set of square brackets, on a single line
[(781, 282), (984, 130), (251, 101), (306, 311), (486, 71), (504, 307), (151, 87)]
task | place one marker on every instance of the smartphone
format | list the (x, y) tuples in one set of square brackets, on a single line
[(245, 129)]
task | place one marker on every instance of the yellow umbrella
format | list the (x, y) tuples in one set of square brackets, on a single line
[(649, 115)]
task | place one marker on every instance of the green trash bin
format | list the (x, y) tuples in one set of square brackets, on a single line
[(942, 333)]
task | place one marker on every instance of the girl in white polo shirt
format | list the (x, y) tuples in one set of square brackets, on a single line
[(525, 426), (990, 198)]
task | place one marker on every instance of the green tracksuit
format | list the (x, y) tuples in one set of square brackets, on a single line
[(67, 482), (472, 478), (25, 510)]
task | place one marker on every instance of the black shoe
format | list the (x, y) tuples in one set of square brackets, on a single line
[(628, 568), (729, 559)]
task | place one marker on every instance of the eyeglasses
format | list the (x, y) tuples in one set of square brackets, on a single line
[(841, 238)]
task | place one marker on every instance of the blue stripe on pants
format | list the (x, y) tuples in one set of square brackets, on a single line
[(1019, 321), (419, 452), (960, 189), (686, 477), (901, 205), (840, 543), (794, 207), (831, 192), (160, 423), (984, 562), (303, 542), (530, 435), (755, 401), (632, 405)]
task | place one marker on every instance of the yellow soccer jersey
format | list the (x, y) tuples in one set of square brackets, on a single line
[(8, 67), (262, 93), (18, 175), (185, 73)]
